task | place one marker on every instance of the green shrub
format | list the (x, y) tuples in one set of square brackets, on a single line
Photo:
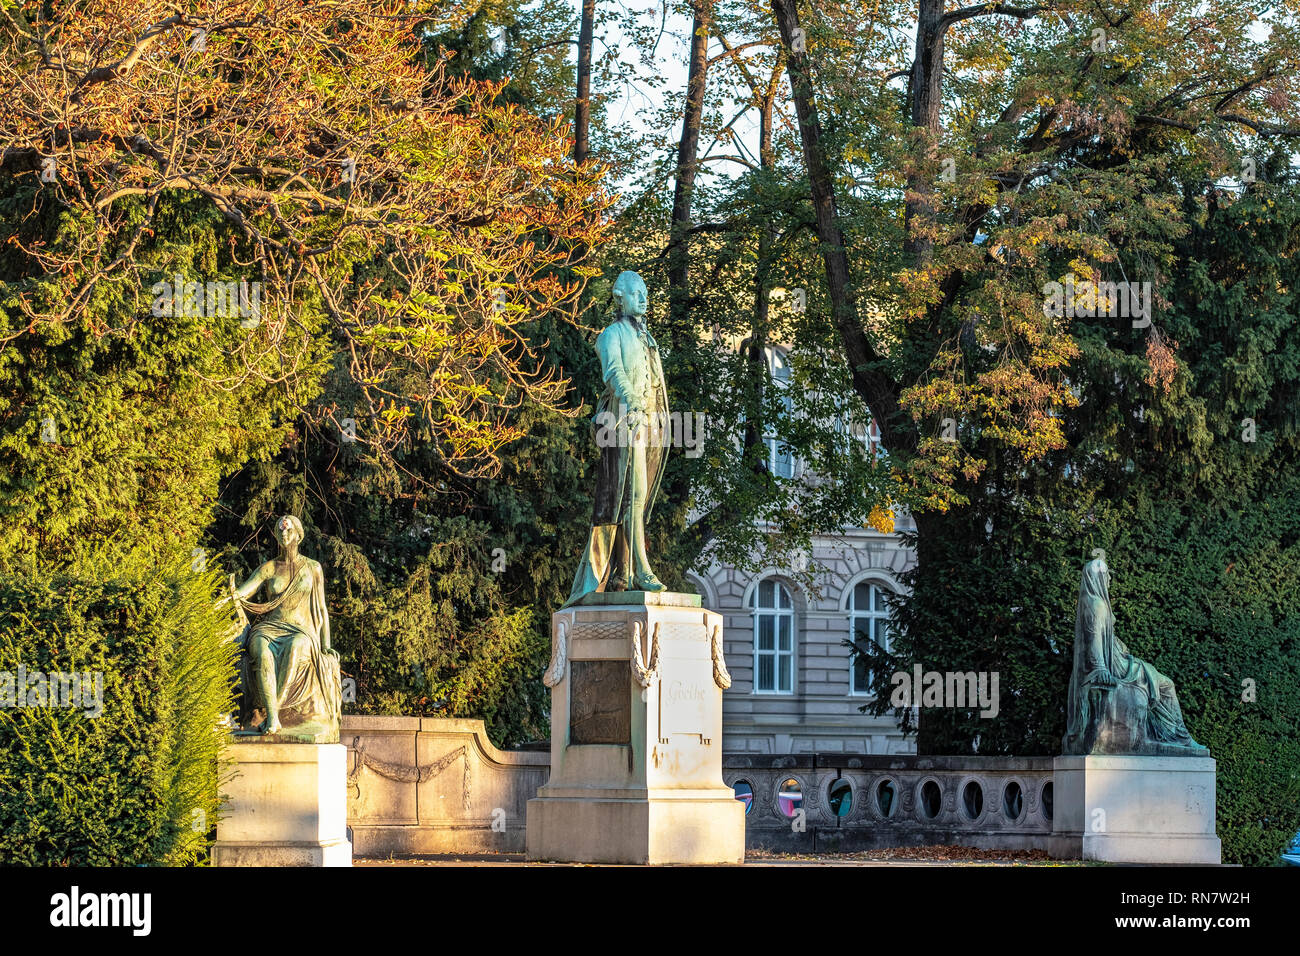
[(136, 784)]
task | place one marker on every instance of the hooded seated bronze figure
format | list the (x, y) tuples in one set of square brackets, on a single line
[(289, 686), (1118, 703)]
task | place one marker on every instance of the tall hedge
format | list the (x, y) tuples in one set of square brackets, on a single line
[(136, 784), (1207, 593), (1191, 485)]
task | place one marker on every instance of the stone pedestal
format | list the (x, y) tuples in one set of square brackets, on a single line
[(286, 806), (636, 736), (1135, 809)]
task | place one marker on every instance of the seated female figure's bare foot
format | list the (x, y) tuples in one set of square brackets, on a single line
[(270, 726)]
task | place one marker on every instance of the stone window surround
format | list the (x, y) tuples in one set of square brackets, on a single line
[(802, 614), (879, 578), (779, 371), (794, 615)]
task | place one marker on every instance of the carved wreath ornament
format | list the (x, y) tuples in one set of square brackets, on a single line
[(645, 676), (720, 675), (406, 773), (555, 673)]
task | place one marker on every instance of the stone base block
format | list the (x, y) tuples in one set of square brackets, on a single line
[(431, 839), (636, 737), (338, 853), (1121, 809), (286, 805), (708, 829)]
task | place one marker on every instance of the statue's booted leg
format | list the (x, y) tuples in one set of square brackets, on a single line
[(643, 578)]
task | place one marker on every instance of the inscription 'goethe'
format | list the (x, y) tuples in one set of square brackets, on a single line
[(686, 704), (679, 691)]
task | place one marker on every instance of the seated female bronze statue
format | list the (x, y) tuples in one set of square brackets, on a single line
[(289, 674), (1118, 703)]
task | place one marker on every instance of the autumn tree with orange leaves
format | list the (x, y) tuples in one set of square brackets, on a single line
[(263, 256), (421, 220)]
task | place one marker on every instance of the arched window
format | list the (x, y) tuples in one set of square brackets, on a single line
[(773, 639), (869, 624), (780, 461)]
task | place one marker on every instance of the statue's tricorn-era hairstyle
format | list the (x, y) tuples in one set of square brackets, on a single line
[(625, 282)]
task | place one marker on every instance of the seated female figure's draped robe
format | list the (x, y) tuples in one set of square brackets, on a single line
[(1139, 689), (308, 690)]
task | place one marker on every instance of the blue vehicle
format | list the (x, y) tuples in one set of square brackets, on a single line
[(1291, 854)]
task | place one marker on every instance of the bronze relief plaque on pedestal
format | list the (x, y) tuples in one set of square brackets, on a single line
[(600, 710)]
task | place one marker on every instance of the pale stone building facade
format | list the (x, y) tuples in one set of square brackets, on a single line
[(794, 687)]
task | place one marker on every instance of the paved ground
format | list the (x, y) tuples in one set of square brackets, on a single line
[(913, 856)]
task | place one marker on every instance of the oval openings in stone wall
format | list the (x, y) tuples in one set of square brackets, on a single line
[(886, 794), (789, 798), (931, 799), (1012, 801), (972, 800), (840, 797), (745, 794)]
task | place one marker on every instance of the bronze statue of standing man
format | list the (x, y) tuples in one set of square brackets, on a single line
[(631, 422)]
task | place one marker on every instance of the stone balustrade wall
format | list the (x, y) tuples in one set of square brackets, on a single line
[(854, 802), (430, 785)]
